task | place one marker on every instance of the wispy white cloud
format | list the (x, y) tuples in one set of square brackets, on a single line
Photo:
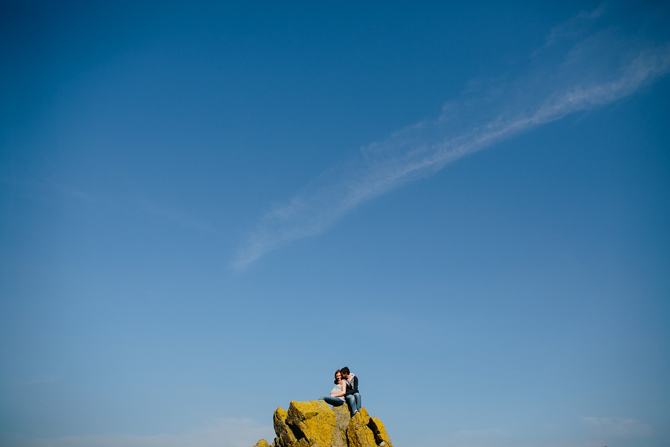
[(86, 196), (220, 433), (623, 427), (575, 26), (176, 217), (487, 432), (567, 433), (40, 379), (138, 200), (592, 71)]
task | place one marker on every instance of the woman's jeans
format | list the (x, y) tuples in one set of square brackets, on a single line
[(334, 401), (354, 402)]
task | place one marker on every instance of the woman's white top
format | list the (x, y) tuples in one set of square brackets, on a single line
[(337, 390)]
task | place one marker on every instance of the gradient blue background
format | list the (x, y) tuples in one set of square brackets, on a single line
[(517, 297)]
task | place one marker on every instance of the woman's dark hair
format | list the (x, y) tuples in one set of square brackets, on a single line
[(345, 371), (338, 371)]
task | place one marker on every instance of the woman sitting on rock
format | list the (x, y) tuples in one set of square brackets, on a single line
[(336, 397)]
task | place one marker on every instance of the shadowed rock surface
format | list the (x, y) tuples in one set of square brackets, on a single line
[(315, 424)]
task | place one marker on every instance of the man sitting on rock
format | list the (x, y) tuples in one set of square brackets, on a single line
[(351, 394)]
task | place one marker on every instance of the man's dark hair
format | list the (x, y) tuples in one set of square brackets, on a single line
[(345, 371)]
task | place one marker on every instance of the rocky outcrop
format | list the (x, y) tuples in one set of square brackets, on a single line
[(312, 421), (381, 437), (285, 436), (315, 424), (342, 419), (359, 433)]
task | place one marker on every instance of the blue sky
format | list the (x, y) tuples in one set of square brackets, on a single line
[(208, 207)]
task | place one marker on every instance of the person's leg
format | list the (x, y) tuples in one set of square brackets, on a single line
[(357, 396), (351, 401), (334, 401)]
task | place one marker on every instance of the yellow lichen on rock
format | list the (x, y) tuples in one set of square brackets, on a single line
[(283, 432), (342, 418), (315, 424), (314, 420), (358, 432), (379, 431)]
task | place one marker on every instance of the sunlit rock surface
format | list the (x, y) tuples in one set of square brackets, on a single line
[(315, 424)]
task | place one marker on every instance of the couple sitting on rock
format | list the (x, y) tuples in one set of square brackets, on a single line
[(346, 387)]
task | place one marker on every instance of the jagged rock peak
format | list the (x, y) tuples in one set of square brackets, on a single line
[(315, 424)]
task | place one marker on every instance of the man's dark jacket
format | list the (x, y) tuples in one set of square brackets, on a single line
[(354, 389)]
